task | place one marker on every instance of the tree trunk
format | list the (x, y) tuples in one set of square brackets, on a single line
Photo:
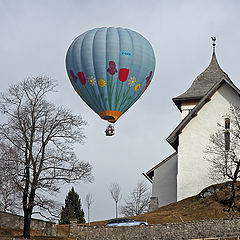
[(28, 208), (88, 215), (232, 199), (27, 222), (27, 215)]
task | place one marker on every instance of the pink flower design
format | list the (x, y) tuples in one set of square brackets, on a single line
[(82, 78), (112, 68), (74, 77)]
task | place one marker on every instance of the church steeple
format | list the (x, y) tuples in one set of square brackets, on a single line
[(202, 84), (214, 43)]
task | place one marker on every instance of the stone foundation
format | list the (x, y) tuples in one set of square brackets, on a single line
[(171, 231), (16, 222)]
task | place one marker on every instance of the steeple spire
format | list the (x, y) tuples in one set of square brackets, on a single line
[(204, 81), (214, 43)]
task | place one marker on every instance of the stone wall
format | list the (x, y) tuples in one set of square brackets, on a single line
[(171, 231), (16, 222), (153, 203)]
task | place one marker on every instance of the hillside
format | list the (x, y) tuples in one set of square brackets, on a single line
[(208, 204)]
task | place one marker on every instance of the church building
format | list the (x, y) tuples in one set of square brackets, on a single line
[(203, 106)]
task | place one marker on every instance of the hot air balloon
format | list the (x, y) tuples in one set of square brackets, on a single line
[(110, 68)]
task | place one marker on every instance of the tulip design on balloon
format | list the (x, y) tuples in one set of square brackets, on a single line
[(108, 78)]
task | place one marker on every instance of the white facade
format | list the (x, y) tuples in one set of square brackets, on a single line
[(164, 182), (187, 107), (203, 106), (186, 172), (193, 169)]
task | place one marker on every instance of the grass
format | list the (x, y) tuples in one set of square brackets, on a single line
[(189, 209)]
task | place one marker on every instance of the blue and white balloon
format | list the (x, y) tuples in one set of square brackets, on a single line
[(110, 68)]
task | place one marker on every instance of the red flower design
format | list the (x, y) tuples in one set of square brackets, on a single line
[(148, 80), (82, 78), (147, 85), (148, 77), (74, 78), (112, 68), (123, 74)]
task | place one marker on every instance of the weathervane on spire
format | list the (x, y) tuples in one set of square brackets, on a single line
[(214, 43)]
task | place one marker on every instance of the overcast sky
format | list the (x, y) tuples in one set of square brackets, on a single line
[(34, 38)]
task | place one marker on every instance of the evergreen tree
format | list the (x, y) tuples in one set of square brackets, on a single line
[(72, 209)]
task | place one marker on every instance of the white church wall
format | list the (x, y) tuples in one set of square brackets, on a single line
[(164, 185), (187, 107), (193, 170)]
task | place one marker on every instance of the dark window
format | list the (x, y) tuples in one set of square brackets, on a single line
[(227, 123), (128, 220), (112, 221), (227, 134), (227, 140)]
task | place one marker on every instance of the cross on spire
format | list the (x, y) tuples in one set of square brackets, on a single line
[(214, 43)]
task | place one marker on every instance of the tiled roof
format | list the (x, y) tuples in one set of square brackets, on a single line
[(204, 82)]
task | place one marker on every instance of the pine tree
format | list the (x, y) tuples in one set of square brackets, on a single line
[(72, 209)]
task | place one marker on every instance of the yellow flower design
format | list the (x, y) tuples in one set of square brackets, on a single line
[(69, 77), (101, 82), (78, 92), (137, 87), (132, 81)]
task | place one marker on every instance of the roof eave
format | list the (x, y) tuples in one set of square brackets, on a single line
[(148, 178), (178, 100), (158, 165)]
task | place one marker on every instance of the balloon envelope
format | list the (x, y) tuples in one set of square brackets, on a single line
[(110, 68)]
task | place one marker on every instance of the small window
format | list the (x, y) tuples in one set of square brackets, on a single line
[(227, 123), (128, 220), (227, 140)]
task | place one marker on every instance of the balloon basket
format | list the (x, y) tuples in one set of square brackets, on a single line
[(110, 130)]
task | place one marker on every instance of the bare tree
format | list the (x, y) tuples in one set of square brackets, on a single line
[(115, 192), (9, 193), (43, 136), (138, 201), (89, 201), (223, 153)]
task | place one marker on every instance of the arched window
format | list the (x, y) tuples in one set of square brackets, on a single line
[(227, 123)]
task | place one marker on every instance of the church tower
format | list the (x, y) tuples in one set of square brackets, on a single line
[(203, 106), (201, 85)]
